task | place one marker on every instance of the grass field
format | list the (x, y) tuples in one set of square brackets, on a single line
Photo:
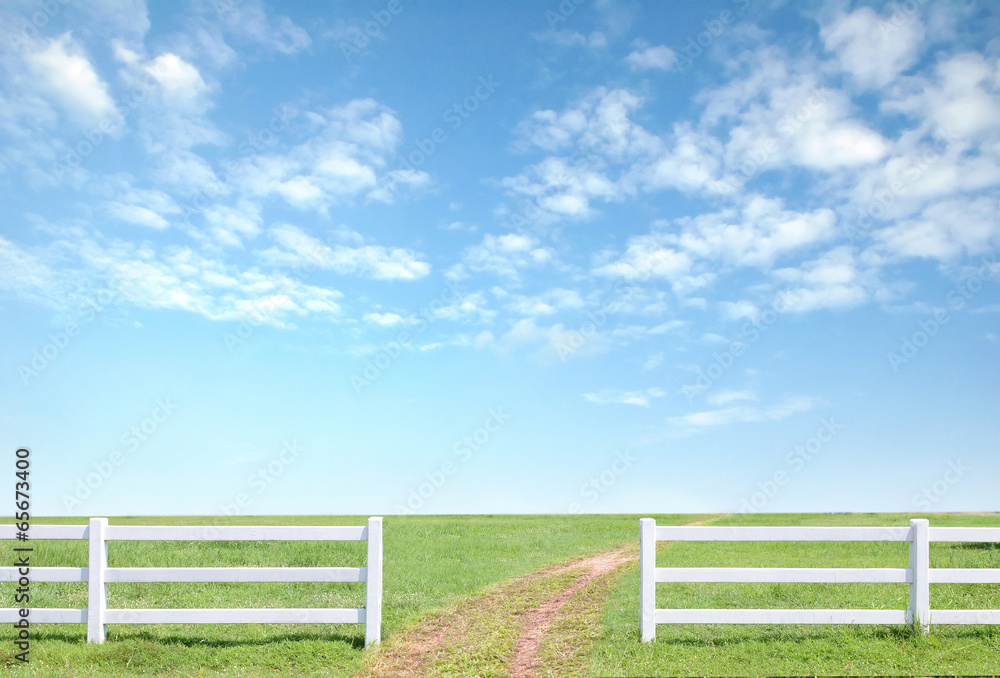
[(717, 650), (430, 562), (433, 562)]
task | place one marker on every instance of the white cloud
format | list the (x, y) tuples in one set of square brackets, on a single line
[(690, 162), (384, 319), (177, 281), (757, 234), (653, 361), (606, 143), (781, 114), (871, 48), (171, 115), (566, 38), (506, 254), (188, 172), (547, 303), (381, 263), (249, 20), (125, 18), (666, 327), (564, 189), (598, 123), (945, 230), (636, 299), (738, 310), (176, 278), (484, 338), (181, 82), (553, 344), (231, 224), (831, 281), (460, 340), (150, 208), (459, 226), (613, 396), (62, 70), (136, 214), (730, 396), (966, 98), (659, 57), (648, 256), (348, 157), (26, 275), (597, 153), (467, 307), (961, 100), (746, 413), (799, 122), (949, 149)]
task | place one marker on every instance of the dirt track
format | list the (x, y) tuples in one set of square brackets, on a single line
[(538, 621), (500, 631)]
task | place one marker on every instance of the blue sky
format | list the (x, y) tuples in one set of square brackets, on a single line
[(588, 256)]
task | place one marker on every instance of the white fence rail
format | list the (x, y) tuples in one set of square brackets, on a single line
[(919, 575), (97, 575)]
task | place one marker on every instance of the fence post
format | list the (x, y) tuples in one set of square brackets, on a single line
[(920, 589), (97, 588), (647, 578), (373, 587)]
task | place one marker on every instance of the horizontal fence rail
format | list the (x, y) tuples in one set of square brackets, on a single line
[(693, 533), (97, 575), (919, 575), (232, 533)]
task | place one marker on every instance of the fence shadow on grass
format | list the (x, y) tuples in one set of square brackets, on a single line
[(354, 641), (116, 637), (41, 635), (979, 546), (789, 635)]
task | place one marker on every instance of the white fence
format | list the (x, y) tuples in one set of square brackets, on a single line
[(97, 575), (919, 575)]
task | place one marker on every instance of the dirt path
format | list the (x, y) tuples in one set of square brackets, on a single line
[(501, 631), (539, 620)]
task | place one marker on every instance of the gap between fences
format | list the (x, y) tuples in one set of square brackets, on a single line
[(549, 617)]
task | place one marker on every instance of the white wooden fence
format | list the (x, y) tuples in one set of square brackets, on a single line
[(97, 575), (919, 575)]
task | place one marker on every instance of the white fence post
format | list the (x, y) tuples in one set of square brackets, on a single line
[(97, 588), (373, 587), (920, 589), (647, 578)]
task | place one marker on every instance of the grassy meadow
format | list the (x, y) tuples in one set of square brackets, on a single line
[(757, 650), (433, 562), (430, 562)]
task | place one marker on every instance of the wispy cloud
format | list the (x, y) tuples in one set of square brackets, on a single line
[(745, 413), (385, 319), (302, 250), (613, 396), (658, 57), (727, 397)]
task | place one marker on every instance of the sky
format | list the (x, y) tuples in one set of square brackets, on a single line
[(588, 256)]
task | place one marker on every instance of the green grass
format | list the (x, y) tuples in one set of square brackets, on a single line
[(430, 563), (435, 562), (804, 650), (481, 632)]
